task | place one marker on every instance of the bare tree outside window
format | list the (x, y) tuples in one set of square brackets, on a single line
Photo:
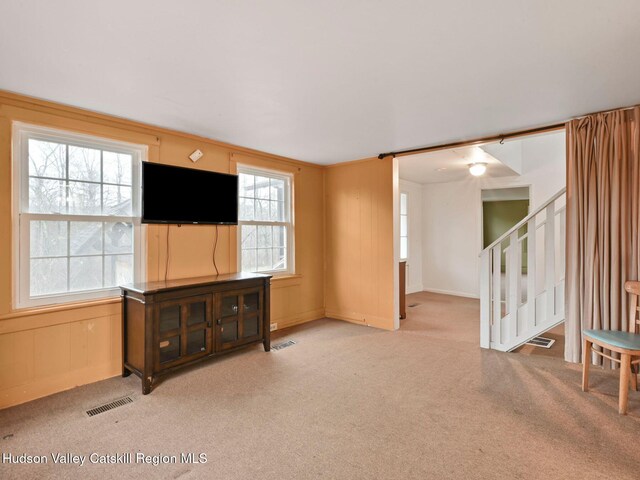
[(78, 215)]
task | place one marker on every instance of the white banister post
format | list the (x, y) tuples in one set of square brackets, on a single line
[(485, 299), (531, 273), (550, 265), (496, 329), (563, 236), (513, 263)]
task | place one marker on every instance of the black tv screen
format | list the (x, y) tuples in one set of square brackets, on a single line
[(185, 195)]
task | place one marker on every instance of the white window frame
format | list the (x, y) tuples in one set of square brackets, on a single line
[(288, 205), (22, 132), (406, 194)]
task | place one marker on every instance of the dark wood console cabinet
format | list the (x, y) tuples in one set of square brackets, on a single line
[(167, 325)]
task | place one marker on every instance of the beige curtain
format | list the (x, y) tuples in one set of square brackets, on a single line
[(603, 168)]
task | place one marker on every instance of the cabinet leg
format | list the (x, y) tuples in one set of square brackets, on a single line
[(267, 344), (146, 385), (125, 372)]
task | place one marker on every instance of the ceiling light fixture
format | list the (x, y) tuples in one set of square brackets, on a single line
[(477, 169)]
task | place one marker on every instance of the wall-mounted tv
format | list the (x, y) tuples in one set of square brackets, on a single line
[(186, 195)]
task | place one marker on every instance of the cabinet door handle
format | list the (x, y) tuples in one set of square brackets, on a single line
[(209, 324), (219, 321)]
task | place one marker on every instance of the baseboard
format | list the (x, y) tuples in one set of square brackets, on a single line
[(299, 318), (361, 319), (450, 292), (414, 289), (58, 383)]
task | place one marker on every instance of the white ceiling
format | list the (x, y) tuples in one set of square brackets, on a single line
[(326, 81), (449, 165)]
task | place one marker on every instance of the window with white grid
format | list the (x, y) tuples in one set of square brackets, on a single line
[(77, 200), (265, 221)]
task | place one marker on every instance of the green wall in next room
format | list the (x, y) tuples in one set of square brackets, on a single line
[(498, 217)]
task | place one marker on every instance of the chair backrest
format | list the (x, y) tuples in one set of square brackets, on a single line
[(633, 288)]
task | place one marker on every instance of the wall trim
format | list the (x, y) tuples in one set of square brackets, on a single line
[(60, 314), (361, 319), (290, 321)]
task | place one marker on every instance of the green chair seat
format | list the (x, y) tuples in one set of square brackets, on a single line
[(626, 340)]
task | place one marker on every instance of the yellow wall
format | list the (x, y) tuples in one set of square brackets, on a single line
[(50, 349), (359, 278)]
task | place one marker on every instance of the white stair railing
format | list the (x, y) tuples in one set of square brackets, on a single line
[(519, 302)]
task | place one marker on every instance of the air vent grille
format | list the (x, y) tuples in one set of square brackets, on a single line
[(280, 346), (542, 342), (109, 406)]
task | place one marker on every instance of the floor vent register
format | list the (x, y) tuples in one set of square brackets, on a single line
[(280, 346), (109, 406)]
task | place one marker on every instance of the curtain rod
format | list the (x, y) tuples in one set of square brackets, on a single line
[(468, 143), (493, 138)]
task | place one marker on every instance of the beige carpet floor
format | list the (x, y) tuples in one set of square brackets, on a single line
[(348, 402)]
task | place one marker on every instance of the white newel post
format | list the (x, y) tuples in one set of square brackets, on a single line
[(485, 299)]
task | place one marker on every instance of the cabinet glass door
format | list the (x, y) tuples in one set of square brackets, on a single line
[(229, 319), (184, 329), (240, 316), (250, 314)]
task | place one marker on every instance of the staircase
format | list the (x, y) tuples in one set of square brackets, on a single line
[(518, 303)]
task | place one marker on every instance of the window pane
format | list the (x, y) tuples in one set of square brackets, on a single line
[(118, 237), (277, 189), (403, 225), (117, 168), (279, 257), (48, 276), (403, 247), (84, 164), (403, 203), (47, 196), (246, 209), (248, 236), (262, 188), (262, 210), (118, 270), (47, 159), (279, 236), (84, 198), (277, 211), (264, 259), (264, 236), (249, 260), (85, 274), (48, 239), (247, 183), (86, 238), (116, 200)]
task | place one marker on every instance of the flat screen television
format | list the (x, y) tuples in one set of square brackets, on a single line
[(186, 195)]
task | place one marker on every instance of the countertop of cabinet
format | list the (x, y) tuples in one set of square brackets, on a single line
[(161, 286)]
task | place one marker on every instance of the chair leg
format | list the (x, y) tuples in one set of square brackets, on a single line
[(625, 373), (634, 379), (586, 361)]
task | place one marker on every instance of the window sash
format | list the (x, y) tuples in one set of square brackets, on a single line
[(22, 260), (287, 223)]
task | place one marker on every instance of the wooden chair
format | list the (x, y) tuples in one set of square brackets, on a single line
[(627, 344)]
